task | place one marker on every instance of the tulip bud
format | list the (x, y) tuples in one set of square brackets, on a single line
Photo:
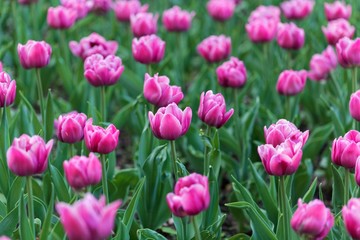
[(348, 53), (345, 150), (7, 89), (297, 9), (143, 24), (148, 49), (34, 54), (70, 127), (61, 17), (215, 48), (291, 82), (177, 20), (289, 36), (232, 73), (125, 8), (354, 105), (337, 10), (350, 214), (338, 29), (221, 10)]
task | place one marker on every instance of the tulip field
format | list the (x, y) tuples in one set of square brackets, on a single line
[(176, 119)]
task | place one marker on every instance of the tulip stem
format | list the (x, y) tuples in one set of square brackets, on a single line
[(103, 104), (196, 229), (30, 203), (104, 177), (287, 113), (6, 142), (346, 186), (41, 98), (206, 158), (283, 208), (173, 156)]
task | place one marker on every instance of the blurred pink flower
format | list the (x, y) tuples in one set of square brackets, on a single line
[(26, 2), (322, 64), (82, 7), (350, 214), (215, 48), (61, 17), (354, 105), (291, 82), (347, 51), (297, 9), (34, 54), (221, 10), (265, 12), (143, 24), (289, 36), (70, 127), (125, 8), (338, 29), (148, 49), (7, 89), (101, 6), (261, 29), (177, 20), (345, 150), (232, 73), (337, 10), (357, 171)]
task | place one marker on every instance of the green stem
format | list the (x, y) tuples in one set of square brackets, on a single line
[(236, 114), (41, 98), (103, 104), (30, 203), (72, 151), (104, 177), (287, 110), (206, 158), (6, 142), (354, 89), (173, 157), (283, 208), (148, 69), (196, 229), (346, 185)]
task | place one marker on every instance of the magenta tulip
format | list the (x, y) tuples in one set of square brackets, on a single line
[(337, 10), (215, 48), (34, 54), (27, 2), (291, 82), (338, 29), (177, 20), (322, 64), (221, 10), (148, 49), (261, 30), (232, 73), (101, 6), (70, 127), (81, 7), (357, 171), (347, 51), (143, 24), (350, 214), (289, 36), (265, 12), (354, 105), (297, 9), (61, 17), (345, 150), (125, 8), (7, 89)]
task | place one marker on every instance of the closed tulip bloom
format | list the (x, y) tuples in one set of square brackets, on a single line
[(354, 105), (232, 73), (7, 89), (357, 171), (100, 140), (221, 10), (81, 7), (27, 2), (34, 54), (61, 17), (337, 10), (215, 48), (143, 24), (284, 159), (289, 36), (265, 12), (338, 29), (347, 51), (94, 43), (70, 127), (148, 49), (101, 6), (177, 20), (297, 9), (88, 218), (291, 82), (212, 109), (157, 91), (125, 8), (170, 122), (28, 155), (82, 171), (261, 30), (102, 71), (313, 220), (282, 130), (345, 150), (191, 195), (322, 64), (350, 214)]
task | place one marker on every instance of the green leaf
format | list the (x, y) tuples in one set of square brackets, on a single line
[(122, 116), (215, 154), (25, 230), (125, 180), (49, 116), (130, 210), (148, 234), (309, 195), (15, 192), (46, 226), (61, 189), (34, 121), (338, 190), (8, 224)]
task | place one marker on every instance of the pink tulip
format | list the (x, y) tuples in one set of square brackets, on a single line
[(291, 82), (232, 73), (215, 48), (5, 238), (34, 54), (170, 122), (103, 71), (212, 109), (26, 2), (265, 12), (125, 8), (337, 10), (177, 20), (81, 7), (322, 64), (350, 214), (158, 91), (101, 6), (61, 17), (284, 159), (7, 89), (81, 171), (88, 218), (348, 52), (297, 9), (143, 24), (100, 140), (313, 220), (345, 150), (261, 30), (357, 171), (289, 36), (148, 49), (354, 105), (221, 10), (70, 127), (94, 43), (191, 195), (282, 130), (338, 29), (28, 155)]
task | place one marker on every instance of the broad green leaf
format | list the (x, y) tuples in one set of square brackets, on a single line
[(337, 190), (15, 192), (9, 223), (34, 121), (61, 189), (47, 223), (309, 195), (49, 117), (25, 229), (148, 234), (131, 208)]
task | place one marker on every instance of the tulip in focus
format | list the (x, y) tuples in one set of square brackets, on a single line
[(322, 64), (170, 122), (7, 89), (143, 24), (232, 73), (350, 214), (94, 43), (82, 171), (148, 49), (191, 195), (177, 20), (70, 127), (28, 155), (313, 220), (345, 150), (34, 54), (261, 30), (337, 10), (291, 82), (212, 109), (81, 7), (347, 51), (289, 36), (103, 71), (221, 10), (157, 91), (100, 140), (61, 17), (297, 9), (88, 218), (338, 29), (125, 8), (354, 105), (215, 48)]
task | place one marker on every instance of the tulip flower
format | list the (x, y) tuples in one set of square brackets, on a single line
[(337, 10), (261, 30), (81, 7), (348, 53), (61, 17), (101, 6), (221, 10), (125, 8), (338, 29), (27, 2), (265, 12), (291, 82), (148, 49), (322, 64), (70, 127), (289, 36), (215, 48), (345, 150), (297, 9), (357, 171), (143, 24), (177, 20), (232, 73), (34, 54), (7, 89), (354, 105), (350, 214)]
